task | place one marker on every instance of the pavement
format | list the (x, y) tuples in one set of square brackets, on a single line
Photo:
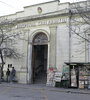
[(44, 87)]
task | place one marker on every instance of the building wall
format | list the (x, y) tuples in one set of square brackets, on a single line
[(54, 22), (54, 27), (62, 46), (79, 37)]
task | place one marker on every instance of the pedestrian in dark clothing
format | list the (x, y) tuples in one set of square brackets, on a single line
[(12, 74), (8, 74), (2, 74)]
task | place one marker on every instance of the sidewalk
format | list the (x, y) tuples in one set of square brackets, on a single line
[(43, 87)]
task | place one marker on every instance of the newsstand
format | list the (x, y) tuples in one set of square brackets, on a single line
[(79, 75)]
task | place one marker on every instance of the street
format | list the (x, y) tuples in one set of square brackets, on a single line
[(35, 92)]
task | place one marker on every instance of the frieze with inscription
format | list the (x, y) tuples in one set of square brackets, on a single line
[(46, 22)]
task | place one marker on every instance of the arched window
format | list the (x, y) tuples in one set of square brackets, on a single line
[(40, 38)]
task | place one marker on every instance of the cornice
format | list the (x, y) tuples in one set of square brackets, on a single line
[(42, 3), (43, 16)]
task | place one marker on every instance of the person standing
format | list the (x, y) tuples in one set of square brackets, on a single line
[(8, 74), (12, 74)]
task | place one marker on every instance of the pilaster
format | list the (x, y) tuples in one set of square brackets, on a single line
[(52, 56)]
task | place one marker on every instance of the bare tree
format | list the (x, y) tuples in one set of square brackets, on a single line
[(80, 24), (8, 41)]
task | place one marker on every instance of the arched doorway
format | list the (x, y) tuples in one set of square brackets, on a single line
[(39, 58)]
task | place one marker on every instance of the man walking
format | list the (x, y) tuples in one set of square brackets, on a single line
[(8, 74)]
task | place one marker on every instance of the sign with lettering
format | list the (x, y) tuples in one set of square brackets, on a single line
[(43, 22), (57, 76)]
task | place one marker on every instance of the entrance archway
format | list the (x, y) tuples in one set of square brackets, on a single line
[(39, 58)]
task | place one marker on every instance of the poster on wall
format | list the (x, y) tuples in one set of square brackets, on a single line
[(73, 78), (50, 76), (81, 84)]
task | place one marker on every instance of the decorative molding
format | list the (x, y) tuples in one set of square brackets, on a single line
[(43, 16)]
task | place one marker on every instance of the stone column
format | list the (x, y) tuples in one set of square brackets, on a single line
[(29, 63), (52, 52)]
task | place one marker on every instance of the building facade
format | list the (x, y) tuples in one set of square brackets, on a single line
[(49, 41)]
